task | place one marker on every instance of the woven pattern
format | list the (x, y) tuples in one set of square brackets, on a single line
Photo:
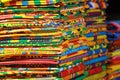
[(27, 2), (113, 35), (53, 39)]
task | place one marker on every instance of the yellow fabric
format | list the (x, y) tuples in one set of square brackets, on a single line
[(3, 1)]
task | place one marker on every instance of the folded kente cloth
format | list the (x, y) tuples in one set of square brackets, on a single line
[(53, 39)]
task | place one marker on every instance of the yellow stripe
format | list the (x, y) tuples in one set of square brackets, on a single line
[(78, 53), (54, 1), (30, 3), (102, 37), (14, 41), (19, 2), (90, 39), (67, 63), (3, 1), (116, 53), (42, 34), (43, 1), (114, 67), (93, 10)]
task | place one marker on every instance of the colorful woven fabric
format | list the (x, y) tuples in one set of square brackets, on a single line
[(32, 2), (53, 39)]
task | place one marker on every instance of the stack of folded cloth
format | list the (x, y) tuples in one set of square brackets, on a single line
[(53, 39), (96, 58), (30, 38), (113, 34), (114, 66), (91, 65), (36, 34)]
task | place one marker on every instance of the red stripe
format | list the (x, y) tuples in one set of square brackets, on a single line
[(75, 43), (75, 69), (47, 1), (13, 3), (30, 6), (95, 70), (31, 61)]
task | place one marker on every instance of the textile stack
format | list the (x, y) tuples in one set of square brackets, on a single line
[(114, 66), (53, 39), (30, 38), (91, 64), (97, 58), (113, 34), (35, 34), (75, 44)]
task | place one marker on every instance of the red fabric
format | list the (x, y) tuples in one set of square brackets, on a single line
[(72, 70), (115, 60), (95, 70), (12, 3)]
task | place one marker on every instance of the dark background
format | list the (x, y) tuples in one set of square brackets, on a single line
[(113, 10)]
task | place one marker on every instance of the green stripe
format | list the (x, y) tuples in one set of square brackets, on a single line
[(37, 2), (17, 17)]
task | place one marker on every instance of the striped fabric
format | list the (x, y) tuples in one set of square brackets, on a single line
[(56, 38), (30, 2)]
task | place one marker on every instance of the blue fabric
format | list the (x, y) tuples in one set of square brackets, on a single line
[(117, 78), (95, 60), (25, 3), (74, 50)]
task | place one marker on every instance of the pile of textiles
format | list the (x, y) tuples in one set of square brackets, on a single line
[(96, 59), (113, 34), (30, 38), (53, 39), (114, 66)]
